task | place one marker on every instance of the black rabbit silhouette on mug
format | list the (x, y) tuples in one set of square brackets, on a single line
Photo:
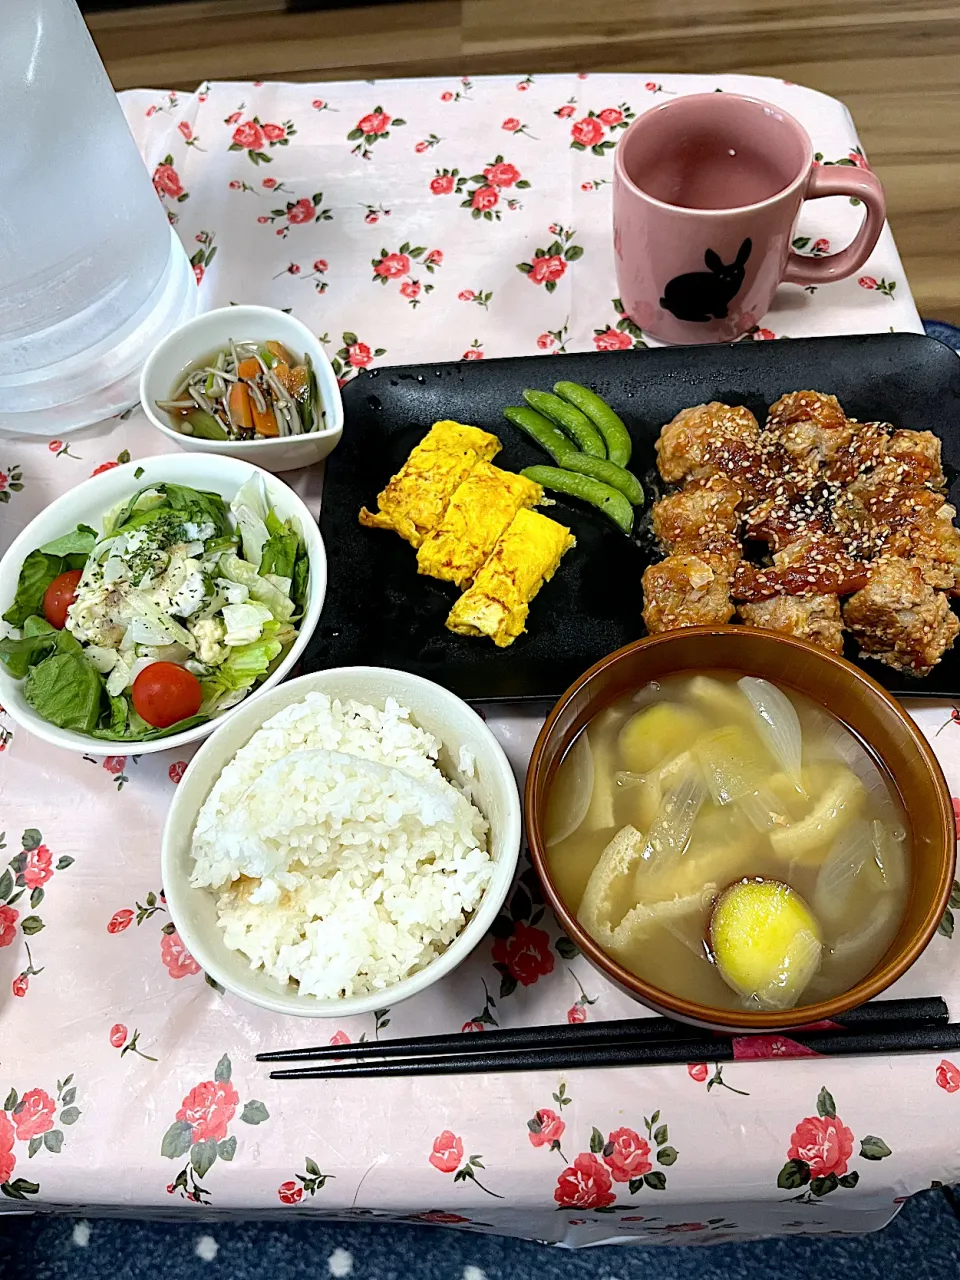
[(700, 295)]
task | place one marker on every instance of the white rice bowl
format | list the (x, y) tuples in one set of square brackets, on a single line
[(337, 861), (343, 858)]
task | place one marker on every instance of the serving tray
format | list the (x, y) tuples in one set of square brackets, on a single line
[(379, 611)]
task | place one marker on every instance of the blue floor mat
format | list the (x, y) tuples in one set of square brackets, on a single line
[(923, 1243)]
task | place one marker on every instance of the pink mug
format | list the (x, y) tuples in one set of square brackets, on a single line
[(706, 194)]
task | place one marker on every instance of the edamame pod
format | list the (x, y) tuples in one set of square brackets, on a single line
[(615, 434), (608, 472), (610, 501), (576, 424), (541, 430)]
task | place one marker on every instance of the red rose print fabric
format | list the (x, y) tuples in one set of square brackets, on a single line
[(35, 1115), (447, 1152), (584, 1185), (628, 1155), (452, 220)]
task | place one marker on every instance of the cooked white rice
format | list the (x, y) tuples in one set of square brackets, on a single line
[(342, 857)]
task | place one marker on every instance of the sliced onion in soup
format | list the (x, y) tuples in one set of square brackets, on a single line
[(850, 853), (733, 763), (720, 698), (573, 801), (869, 932), (669, 832), (778, 720), (763, 809), (890, 854)]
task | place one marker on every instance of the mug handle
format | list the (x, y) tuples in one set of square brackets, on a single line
[(841, 180)]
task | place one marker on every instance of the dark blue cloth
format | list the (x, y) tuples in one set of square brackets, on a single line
[(923, 1243)]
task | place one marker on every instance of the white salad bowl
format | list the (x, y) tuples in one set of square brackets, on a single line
[(205, 333), (492, 788), (88, 504)]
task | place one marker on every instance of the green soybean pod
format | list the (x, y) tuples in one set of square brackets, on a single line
[(540, 430), (610, 501), (615, 434), (576, 424), (608, 472)]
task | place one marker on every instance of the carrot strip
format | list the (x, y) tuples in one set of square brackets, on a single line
[(280, 351), (265, 423), (241, 408), (248, 368)]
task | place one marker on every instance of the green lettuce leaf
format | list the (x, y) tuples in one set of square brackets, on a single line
[(42, 566), (38, 642), (195, 505), (36, 574), (122, 724), (246, 664), (301, 579), (80, 542), (236, 570), (65, 690), (251, 512), (280, 553)]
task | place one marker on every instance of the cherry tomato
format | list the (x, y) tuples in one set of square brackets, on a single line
[(59, 596), (164, 693)]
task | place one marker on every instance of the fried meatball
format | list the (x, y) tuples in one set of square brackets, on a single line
[(866, 449), (900, 619), (806, 406), (699, 517), (909, 458), (814, 564), (704, 439), (815, 618), (810, 426), (687, 591), (916, 524), (786, 514)]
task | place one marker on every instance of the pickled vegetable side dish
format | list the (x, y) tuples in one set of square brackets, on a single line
[(246, 391), (730, 842)]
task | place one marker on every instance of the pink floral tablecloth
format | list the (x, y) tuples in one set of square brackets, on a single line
[(411, 220)]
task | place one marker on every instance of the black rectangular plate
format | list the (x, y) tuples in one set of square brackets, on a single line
[(378, 611)]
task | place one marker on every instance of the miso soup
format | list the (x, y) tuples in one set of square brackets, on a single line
[(730, 842)]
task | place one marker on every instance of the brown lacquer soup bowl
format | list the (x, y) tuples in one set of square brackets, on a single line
[(838, 686)]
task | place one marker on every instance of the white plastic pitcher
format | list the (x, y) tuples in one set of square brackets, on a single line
[(92, 276)]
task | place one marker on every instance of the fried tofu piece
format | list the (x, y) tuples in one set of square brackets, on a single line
[(815, 618), (707, 438), (480, 510), (687, 591), (698, 517), (524, 558), (416, 498), (900, 619)]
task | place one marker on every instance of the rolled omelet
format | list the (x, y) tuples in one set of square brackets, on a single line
[(525, 556), (416, 498), (479, 512)]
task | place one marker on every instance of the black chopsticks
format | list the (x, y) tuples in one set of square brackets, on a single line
[(886, 1026)]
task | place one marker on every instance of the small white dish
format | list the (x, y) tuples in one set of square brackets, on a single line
[(451, 721), (213, 329), (88, 503)]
